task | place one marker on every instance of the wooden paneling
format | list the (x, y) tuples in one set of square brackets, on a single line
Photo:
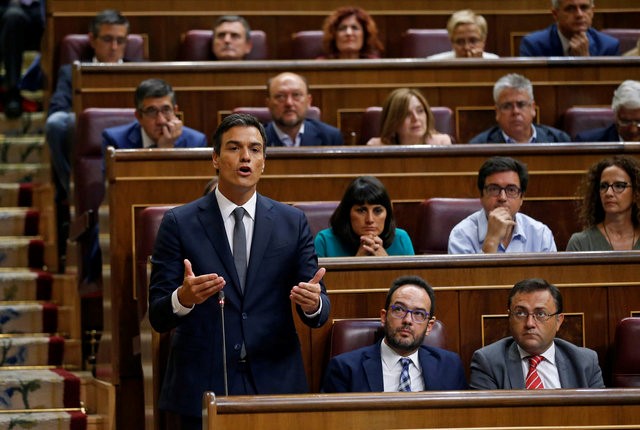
[(507, 410), (205, 88)]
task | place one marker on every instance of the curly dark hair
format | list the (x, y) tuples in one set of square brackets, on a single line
[(371, 46), (591, 211), (363, 190)]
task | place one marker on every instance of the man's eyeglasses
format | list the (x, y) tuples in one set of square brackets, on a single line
[(508, 106), (617, 187), (510, 191), (281, 97), (399, 311), (540, 316), (628, 123), (111, 39), (153, 112)]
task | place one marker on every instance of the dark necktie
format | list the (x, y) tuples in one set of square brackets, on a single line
[(533, 381), (405, 379), (240, 245)]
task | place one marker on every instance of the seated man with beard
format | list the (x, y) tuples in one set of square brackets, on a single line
[(399, 362)]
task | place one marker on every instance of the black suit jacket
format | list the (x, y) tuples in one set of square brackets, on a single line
[(282, 255), (316, 133), (545, 134)]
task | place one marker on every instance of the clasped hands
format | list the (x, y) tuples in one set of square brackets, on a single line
[(371, 245)]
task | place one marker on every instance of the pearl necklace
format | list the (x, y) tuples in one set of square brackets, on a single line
[(606, 233)]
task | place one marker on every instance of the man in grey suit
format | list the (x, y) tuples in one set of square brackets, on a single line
[(532, 357)]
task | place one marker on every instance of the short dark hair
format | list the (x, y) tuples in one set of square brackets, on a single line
[(412, 280), (536, 284), (153, 88), (107, 17), (363, 189), (238, 120), (233, 18), (503, 164)]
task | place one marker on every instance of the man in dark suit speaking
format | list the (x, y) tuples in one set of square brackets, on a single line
[(288, 100), (262, 262), (533, 358), (400, 362)]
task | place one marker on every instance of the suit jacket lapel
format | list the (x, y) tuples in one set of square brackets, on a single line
[(514, 367), (372, 366), (429, 374), (565, 372), (262, 230), (213, 225), (310, 135)]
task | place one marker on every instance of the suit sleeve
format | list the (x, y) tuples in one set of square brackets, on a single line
[(336, 137), (595, 376), (61, 98), (527, 48), (481, 376)]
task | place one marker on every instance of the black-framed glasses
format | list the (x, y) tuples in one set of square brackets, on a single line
[(110, 39), (153, 112), (628, 123), (508, 106), (540, 316), (510, 191), (417, 315), (617, 187)]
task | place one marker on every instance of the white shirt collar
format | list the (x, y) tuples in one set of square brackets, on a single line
[(286, 139), (549, 355), (390, 358), (147, 142), (227, 206)]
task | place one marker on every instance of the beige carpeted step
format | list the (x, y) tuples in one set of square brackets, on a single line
[(34, 317), (38, 389), (14, 195), (25, 252), (19, 222), (37, 420), (39, 350), (25, 172), (25, 149)]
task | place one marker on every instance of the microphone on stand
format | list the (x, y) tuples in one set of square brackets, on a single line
[(224, 342)]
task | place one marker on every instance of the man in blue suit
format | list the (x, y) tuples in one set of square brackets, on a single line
[(157, 125), (515, 112), (571, 35), (400, 362), (626, 109), (193, 262), (288, 101), (532, 357)]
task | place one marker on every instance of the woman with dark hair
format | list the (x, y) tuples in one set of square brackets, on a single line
[(363, 224), (610, 210), (350, 33), (407, 120)]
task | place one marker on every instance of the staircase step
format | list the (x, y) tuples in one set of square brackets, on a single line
[(40, 351), (37, 318), (25, 172), (16, 251), (19, 221), (37, 420), (30, 123), (26, 285), (12, 195), (25, 149), (38, 389)]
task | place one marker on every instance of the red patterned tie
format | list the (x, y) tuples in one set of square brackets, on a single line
[(533, 379)]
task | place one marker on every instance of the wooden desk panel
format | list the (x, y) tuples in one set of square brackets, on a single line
[(506, 409), (204, 89)]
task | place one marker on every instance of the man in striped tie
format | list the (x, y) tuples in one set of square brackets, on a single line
[(532, 357)]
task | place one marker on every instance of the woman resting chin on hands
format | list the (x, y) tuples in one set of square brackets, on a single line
[(363, 224)]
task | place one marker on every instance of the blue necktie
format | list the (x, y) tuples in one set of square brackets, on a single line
[(405, 379), (240, 245)]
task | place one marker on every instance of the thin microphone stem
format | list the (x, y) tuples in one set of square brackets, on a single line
[(224, 343)]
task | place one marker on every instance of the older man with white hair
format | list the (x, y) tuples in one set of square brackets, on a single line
[(626, 108)]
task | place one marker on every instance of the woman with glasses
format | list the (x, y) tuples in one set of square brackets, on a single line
[(468, 34), (350, 33), (610, 210), (407, 120), (363, 224)]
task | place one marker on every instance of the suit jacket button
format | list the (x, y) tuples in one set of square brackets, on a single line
[(244, 316), (237, 346)]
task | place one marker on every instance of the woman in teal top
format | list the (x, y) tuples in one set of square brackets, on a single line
[(363, 224)]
